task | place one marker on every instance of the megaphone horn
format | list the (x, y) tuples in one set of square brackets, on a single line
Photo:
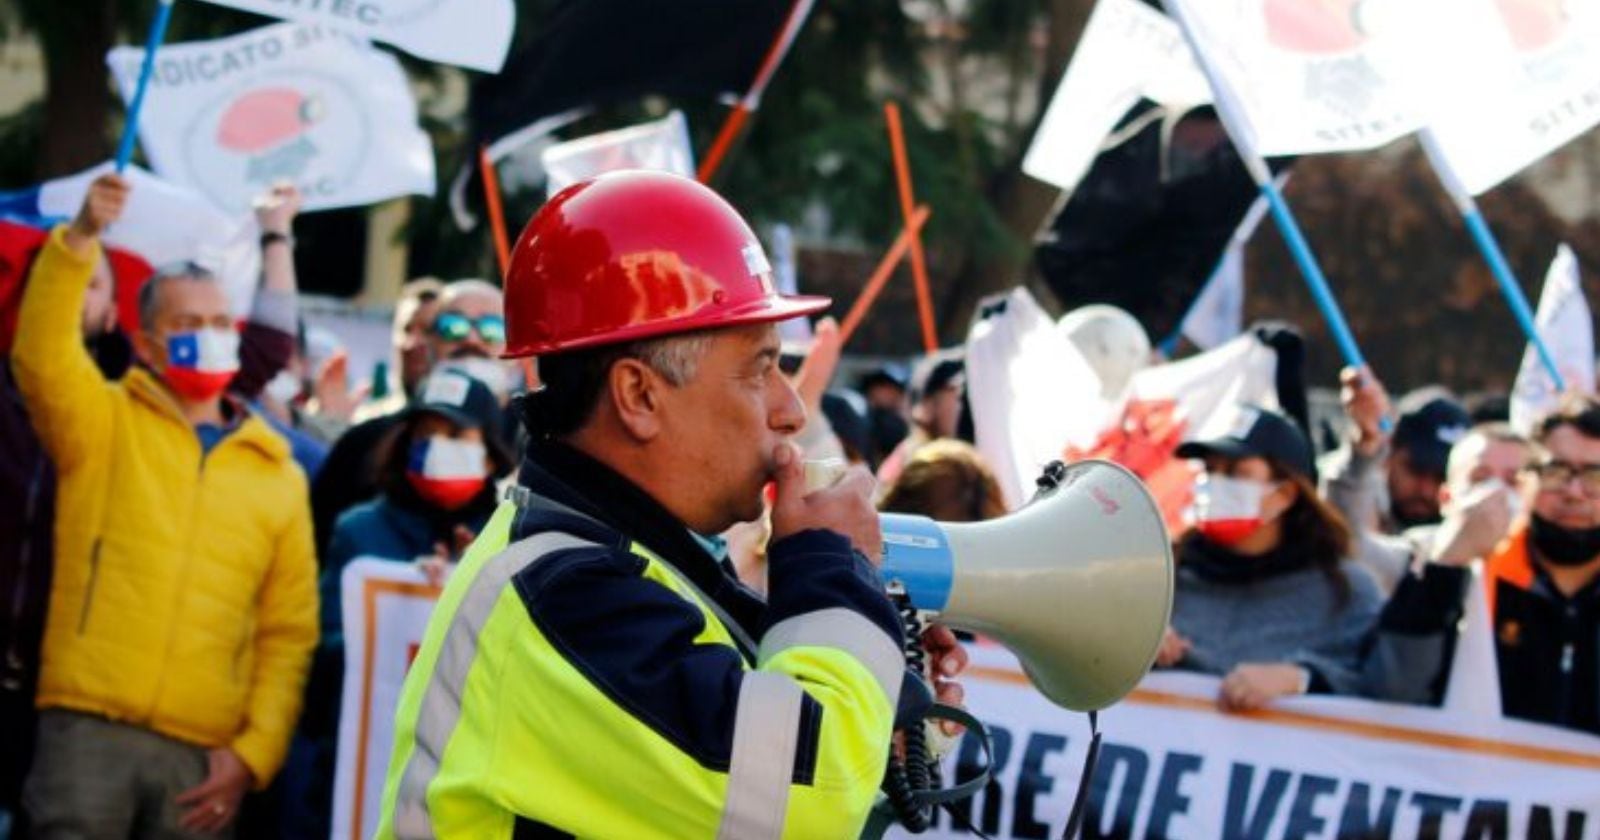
[(1077, 584)]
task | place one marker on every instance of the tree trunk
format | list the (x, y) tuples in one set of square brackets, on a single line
[(1021, 201), (77, 99)]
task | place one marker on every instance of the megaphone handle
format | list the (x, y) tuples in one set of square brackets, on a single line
[(1075, 819)]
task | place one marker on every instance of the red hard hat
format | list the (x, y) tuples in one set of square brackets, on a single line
[(634, 255)]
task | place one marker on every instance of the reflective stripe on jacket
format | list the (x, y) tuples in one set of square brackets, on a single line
[(575, 681)]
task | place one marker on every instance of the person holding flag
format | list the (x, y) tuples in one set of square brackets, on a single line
[(183, 609)]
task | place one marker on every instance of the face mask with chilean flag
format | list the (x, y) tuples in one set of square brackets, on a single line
[(447, 472), (200, 364), (1227, 509)]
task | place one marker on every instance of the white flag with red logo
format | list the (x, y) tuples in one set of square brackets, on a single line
[(1564, 323), (1528, 81), (230, 117), (1309, 76), (469, 33), (1034, 399), (1128, 51)]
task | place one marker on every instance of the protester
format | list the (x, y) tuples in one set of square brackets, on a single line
[(438, 468), (468, 334), (410, 359), (184, 594), (437, 472), (1475, 499), (28, 478), (1543, 591), (601, 597), (938, 387), (947, 481), (1265, 596), (1389, 481)]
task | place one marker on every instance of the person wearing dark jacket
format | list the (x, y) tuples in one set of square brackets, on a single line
[(1266, 596), (438, 466), (1543, 591)]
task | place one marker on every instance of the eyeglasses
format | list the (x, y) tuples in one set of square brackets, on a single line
[(453, 326), (1556, 475)]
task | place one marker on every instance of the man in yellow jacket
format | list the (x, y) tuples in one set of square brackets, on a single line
[(183, 610)]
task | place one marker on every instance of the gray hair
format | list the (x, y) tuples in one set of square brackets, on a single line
[(150, 292), (676, 358)]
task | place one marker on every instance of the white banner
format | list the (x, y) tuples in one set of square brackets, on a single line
[(1564, 322), (1527, 80), (295, 102), (1309, 76), (662, 144), (1173, 765), (470, 33), (386, 607), (164, 223), (1127, 51)]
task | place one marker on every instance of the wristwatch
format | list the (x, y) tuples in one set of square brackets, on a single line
[(272, 236)]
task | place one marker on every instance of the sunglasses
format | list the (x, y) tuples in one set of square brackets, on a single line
[(453, 326)]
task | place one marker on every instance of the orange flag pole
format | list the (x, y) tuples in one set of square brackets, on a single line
[(919, 265), (497, 216), (881, 274), (752, 98)]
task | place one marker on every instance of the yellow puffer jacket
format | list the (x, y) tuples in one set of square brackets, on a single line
[(184, 598)]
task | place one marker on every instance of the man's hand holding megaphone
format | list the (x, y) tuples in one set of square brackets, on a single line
[(845, 507)]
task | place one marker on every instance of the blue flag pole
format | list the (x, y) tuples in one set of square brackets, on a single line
[(1490, 248), (158, 33), (1256, 165)]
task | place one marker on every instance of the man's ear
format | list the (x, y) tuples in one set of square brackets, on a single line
[(634, 391)]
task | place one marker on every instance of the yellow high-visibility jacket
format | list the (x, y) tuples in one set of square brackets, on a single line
[(184, 598), (578, 681)]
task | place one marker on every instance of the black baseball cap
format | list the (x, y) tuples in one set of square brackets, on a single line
[(936, 371), (1428, 428), (1259, 432), (464, 401)]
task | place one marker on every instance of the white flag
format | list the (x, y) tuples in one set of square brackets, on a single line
[(469, 33), (164, 223), (1127, 51), (1308, 76), (1563, 322), (1031, 392), (230, 117), (662, 144), (1217, 315), (1528, 81)]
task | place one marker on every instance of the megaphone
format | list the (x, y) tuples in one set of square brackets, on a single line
[(1077, 584)]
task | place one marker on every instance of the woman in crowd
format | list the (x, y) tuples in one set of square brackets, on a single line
[(437, 471), (1266, 596), (948, 481)]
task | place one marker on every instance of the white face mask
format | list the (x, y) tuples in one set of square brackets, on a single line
[(1227, 509), (284, 388)]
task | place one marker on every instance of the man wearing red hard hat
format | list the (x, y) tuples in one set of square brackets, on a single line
[(594, 667)]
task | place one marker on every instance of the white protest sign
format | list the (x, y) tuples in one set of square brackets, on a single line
[(659, 145), (307, 104), (1174, 766), (470, 33), (386, 608)]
